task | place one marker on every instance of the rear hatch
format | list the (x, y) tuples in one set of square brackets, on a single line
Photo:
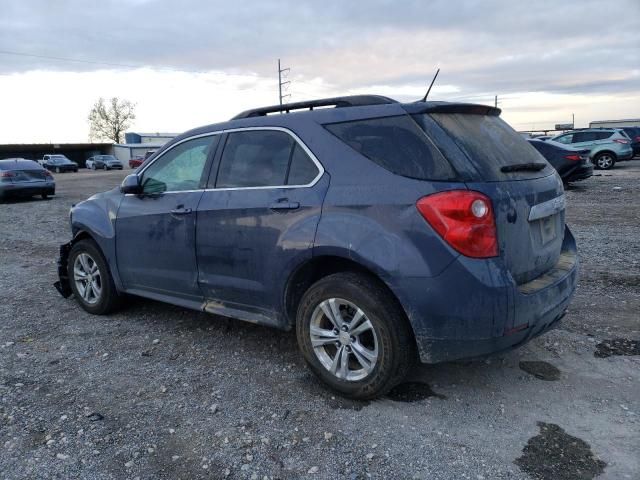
[(527, 194)]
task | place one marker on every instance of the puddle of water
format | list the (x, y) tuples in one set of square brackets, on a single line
[(412, 392), (555, 455), (617, 346), (541, 370)]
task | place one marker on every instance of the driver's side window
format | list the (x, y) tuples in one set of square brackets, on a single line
[(179, 169)]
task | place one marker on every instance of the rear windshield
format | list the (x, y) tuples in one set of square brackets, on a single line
[(490, 144), (396, 144)]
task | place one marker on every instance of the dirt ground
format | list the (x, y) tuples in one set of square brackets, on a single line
[(157, 391)]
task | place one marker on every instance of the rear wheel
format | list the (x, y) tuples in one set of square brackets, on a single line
[(354, 335), (604, 160), (91, 280)]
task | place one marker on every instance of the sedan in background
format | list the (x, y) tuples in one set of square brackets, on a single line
[(104, 162), (20, 177), (571, 163), (59, 164)]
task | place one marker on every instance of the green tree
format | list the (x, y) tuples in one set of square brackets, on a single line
[(109, 120)]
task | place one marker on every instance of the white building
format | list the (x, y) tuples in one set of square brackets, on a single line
[(629, 122), (138, 144)]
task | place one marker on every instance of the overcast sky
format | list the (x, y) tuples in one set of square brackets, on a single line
[(187, 63)]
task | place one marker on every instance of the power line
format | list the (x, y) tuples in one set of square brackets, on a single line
[(65, 59)]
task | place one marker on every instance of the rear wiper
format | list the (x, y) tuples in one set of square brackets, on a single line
[(534, 167)]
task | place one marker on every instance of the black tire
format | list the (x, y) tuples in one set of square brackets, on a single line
[(604, 160), (109, 299), (395, 341)]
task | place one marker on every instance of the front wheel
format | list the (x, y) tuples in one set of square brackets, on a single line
[(91, 280), (105, 167), (354, 335), (604, 161)]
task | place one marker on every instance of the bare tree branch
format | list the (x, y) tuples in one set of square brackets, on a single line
[(110, 122)]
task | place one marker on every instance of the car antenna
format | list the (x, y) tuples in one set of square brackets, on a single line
[(424, 99)]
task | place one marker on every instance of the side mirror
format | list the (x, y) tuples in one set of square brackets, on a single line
[(131, 184)]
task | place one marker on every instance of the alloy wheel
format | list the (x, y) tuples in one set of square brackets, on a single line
[(605, 161), (86, 275), (344, 340)]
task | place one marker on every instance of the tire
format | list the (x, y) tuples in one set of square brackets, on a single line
[(82, 258), (604, 161), (93, 166), (105, 167), (388, 344), (44, 196)]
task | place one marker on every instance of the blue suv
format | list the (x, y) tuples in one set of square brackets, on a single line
[(382, 232)]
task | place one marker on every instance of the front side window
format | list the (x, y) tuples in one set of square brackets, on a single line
[(179, 169), (263, 158)]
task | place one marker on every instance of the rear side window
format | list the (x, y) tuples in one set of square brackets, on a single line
[(264, 158), (603, 135), (396, 144), (586, 137), (490, 144)]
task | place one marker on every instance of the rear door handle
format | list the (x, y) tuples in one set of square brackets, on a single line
[(180, 211), (284, 204)]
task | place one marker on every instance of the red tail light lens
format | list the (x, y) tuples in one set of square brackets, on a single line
[(620, 140), (47, 173), (464, 219), (573, 158), (7, 174)]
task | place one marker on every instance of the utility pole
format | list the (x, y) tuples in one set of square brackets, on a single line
[(573, 120), (281, 83), (495, 101)]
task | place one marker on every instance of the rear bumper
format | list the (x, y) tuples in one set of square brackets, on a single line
[(27, 190), (626, 155), (579, 173), (475, 308)]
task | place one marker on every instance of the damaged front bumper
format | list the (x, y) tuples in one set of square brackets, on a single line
[(63, 285)]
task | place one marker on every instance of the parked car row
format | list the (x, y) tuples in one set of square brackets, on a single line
[(26, 178)]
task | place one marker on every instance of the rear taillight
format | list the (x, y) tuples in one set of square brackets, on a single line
[(620, 140), (637, 139), (573, 158), (7, 174), (464, 219), (47, 173)]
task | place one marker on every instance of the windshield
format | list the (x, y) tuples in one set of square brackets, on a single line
[(106, 158)]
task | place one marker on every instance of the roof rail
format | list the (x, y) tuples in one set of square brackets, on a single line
[(337, 102)]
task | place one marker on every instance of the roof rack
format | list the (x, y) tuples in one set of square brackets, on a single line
[(337, 102)]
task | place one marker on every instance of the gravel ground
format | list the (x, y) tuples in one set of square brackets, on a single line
[(157, 391)]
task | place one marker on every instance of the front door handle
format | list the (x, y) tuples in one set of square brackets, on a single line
[(284, 204), (180, 210)]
